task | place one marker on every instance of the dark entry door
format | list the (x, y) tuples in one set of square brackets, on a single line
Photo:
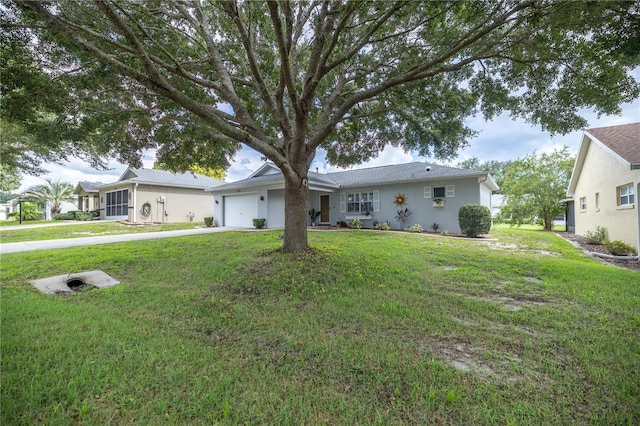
[(324, 209)]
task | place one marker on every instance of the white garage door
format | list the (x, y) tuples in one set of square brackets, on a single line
[(240, 210), (275, 208)]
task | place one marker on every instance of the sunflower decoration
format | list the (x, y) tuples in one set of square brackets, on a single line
[(400, 199)]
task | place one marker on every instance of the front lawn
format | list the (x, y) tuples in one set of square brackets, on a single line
[(367, 328), (89, 229)]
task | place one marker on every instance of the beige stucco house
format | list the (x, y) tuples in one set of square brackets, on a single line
[(606, 181), (157, 196), (88, 196)]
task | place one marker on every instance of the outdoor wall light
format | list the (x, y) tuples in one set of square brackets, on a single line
[(262, 198)]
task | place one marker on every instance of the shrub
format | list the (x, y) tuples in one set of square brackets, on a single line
[(259, 222), (619, 248), (382, 226), (29, 212), (416, 228), (598, 237), (403, 216), (474, 219), (355, 223), (82, 216), (444, 233), (65, 216), (208, 221)]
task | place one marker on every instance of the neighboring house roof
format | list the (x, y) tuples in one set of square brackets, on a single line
[(166, 178), (87, 187), (621, 142), (398, 173)]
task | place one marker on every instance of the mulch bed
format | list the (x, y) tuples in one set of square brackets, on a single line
[(578, 240)]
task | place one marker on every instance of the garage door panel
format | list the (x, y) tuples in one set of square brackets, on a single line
[(276, 208), (240, 210)]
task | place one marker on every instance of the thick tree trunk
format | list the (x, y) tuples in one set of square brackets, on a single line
[(296, 196)]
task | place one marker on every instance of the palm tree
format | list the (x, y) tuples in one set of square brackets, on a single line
[(51, 193)]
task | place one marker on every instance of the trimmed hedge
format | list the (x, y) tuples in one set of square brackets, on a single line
[(474, 220)]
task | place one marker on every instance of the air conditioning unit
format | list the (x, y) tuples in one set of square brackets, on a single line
[(163, 199)]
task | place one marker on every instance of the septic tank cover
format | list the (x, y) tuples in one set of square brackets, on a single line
[(71, 283)]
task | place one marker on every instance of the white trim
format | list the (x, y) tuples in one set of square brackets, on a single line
[(106, 205), (427, 192), (376, 200), (450, 191), (608, 150), (343, 202)]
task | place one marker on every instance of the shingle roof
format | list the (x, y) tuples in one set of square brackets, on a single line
[(317, 179), (397, 173), (88, 186), (624, 140), (167, 178)]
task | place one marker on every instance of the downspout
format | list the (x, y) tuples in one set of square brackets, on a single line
[(638, 214), (135, 202)]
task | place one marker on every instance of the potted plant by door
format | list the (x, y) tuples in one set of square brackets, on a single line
[(314, 215)]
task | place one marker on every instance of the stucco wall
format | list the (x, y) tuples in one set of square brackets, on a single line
[(602, 174), (422, 210), (179, 203), (92, 203)]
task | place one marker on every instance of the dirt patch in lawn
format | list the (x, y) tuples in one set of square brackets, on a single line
[(513, 246), (469, 358)]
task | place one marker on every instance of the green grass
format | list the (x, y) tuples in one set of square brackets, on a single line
[(367, 328), (89, 229)]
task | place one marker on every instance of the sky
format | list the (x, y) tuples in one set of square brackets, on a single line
[(500, 139)]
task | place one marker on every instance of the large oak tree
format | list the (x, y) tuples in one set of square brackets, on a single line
[(195, 78)]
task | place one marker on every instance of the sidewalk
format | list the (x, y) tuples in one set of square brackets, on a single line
[(26, 225), (106, 239)]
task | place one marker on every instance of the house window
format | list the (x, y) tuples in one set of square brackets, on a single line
[(360, 202), (583, 204), (448, 191), (626, 195), (117, 203), (438, 192)]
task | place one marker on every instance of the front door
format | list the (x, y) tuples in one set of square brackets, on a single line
[(324, 209)]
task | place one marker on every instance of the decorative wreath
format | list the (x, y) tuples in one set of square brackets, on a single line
[(400, 199), (145, 211)]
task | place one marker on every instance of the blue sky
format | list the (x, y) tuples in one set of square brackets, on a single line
[(499, 139)]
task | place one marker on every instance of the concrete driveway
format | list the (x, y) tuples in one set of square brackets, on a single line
[(106, 239)]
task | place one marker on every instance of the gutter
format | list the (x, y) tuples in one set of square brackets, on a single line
[(638, 214)]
